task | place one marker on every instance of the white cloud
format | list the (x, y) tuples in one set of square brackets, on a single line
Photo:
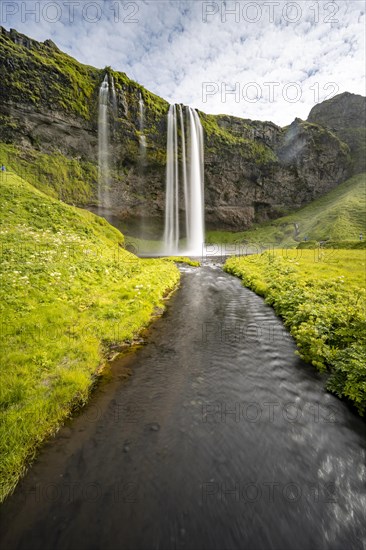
[(172, 50)]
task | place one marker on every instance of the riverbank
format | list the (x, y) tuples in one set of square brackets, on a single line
[(70, 295), (219, 425), (320, 294)]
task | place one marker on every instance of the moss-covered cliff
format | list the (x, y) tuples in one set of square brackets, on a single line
[(254, 170)]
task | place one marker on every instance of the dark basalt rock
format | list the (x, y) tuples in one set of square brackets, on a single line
[(345, 116)]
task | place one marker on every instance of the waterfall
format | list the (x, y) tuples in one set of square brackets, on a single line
[(195, 205), (103, 145), (171, 232), (141, 113), (114, 98), (142, 138), (188, 181), (184, 172), (142, 167)]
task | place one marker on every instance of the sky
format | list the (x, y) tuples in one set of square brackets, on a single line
[(263, 60)]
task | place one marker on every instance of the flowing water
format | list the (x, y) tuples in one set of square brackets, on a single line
[(171, 231), (141, 113), (221, 439), (195, 236), (184, 180), (142, 143), (103, 145), (114, 98)]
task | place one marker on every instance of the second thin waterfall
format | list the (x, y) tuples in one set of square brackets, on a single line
[(103, 145), (184, 182)]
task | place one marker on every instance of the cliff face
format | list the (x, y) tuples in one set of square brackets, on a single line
[(269, 170), (345, 116), (253, 170)]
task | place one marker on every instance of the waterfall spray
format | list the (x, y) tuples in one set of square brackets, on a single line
[(192, 176)]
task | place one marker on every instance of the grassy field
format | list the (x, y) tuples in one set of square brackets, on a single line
[(69, 293), (70, 180), (320, 294), (339, 216)]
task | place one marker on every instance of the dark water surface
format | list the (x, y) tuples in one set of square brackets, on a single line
[(221, 439)]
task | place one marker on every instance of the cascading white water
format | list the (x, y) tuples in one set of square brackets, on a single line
[(114, 98), (184, 174), (171, 232), (142, 167), (103, 145), (195, 204), (192, 176), (142, 138), (141, 113)]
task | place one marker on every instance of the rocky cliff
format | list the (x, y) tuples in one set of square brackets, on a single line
[(254, 170), (345, 116)]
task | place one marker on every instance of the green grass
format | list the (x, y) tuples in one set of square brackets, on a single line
[(42, 75), (48, 80), (220, 137), (338, 216), (71, 85), (71, 180), (342, 245), (69, 293), (346, 245), (320, 294), (182, 260)]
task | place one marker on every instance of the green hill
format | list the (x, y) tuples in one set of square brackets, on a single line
[(70, 295), (337, 216)]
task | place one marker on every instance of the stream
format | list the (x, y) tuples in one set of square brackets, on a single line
[(221, 438)]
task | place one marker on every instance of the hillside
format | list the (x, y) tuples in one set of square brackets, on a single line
[(340, 215), (70, 296), (254, 171)]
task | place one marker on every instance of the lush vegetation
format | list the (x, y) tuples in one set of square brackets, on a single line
[(320, 294), (346, 245), (356, 138), (69, 293), (182, 260), (343, 245), (71, 180), (221, 132), (41, 74), (337, 216), (70, 85), (39, 77)]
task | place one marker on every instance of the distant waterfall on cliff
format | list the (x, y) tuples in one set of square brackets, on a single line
[(142, 138), (184, 176), (103, 145), (114, 98), (141, 113)]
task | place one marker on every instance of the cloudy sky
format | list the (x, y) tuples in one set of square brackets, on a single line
[(266, 60)]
